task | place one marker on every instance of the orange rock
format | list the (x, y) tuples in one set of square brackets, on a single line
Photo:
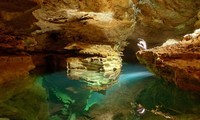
[(178, 63)]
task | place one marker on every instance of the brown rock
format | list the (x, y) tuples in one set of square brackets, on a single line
[(197, 23), (100, 22), (163, 19), (14, 75), (11, 43), (14, 44), (20, 65), (178, 63)]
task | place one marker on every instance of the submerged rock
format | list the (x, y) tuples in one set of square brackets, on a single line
[(178, 63)]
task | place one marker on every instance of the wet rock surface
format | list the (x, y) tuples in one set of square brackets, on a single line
[(97, 65), (177, 63), (88, 37), (43, 28)]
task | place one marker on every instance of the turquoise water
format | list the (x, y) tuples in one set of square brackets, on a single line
[(137, 95)]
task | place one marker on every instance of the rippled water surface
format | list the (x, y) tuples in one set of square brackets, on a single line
[(137, 95)]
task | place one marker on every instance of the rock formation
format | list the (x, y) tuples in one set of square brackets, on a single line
[(95, 33), (12, 73), (178, 63), (51, 31), (159, 20), (15, 85), (197, 23), (97, 65), (164, 19), (87, 38), (79, 20)]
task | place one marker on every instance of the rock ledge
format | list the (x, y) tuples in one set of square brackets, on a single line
[(178, 63)]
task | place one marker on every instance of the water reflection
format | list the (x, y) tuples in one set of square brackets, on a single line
[(21, 97), (98, 73), (166, 100), (72, 98), (61, 98)]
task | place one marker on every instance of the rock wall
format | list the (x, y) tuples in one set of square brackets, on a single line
[(13, 74), (96, 32), (177, 63), (111, 21), (54, 28), (16, 84), (197, 23), (159, 20)]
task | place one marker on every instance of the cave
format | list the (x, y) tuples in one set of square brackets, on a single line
[(99, 59)]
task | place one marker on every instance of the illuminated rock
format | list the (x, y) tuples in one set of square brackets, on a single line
[(99, 22), (93, 32), (161, 19), (97, 65), (178, 63)]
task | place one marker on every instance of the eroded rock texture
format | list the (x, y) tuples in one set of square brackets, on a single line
[(15, 66), (46, 29), (12, 44), (178, 63), (14, 73), (94, 31), (100, 70), (100, 22), (197, 23), (159, 20), (16, 85)]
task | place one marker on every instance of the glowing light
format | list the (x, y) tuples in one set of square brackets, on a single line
[(135, 75)]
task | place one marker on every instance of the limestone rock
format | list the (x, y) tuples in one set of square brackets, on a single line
[(14, 73), (11, 43), (163, 19), (15, 64), (101, 25), (197, 23), (96, 65), (178, 63), (169, 42), (16, 15), (111, 21), (95, 33), (16, 84)]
